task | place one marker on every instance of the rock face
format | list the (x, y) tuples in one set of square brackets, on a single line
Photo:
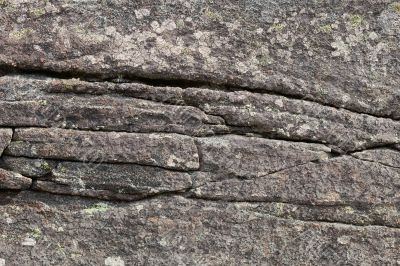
[(199, 132)]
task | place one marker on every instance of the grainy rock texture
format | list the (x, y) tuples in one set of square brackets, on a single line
[(257, 132)]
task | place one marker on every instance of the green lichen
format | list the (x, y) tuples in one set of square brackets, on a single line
[(20, 34), (96, 208), (62, 169), (277, 27), (356, 20), (325, 28), (36, 233), (264, 60), (396, 7), (3, 3), (42, 102), (45, 166), (212, 15), (37, 12), (180, 24)]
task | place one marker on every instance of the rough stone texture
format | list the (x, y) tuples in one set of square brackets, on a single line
[(257, 132), (164, 150), (14, 181), (5, 139), (175, 230)]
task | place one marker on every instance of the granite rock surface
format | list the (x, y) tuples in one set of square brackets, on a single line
[(257, 132)]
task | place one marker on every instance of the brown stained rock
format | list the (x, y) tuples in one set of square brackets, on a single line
[(164, 150), (339, 181), (13, 181)]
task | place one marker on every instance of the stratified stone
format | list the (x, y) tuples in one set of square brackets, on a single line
[(175, 230), (13, 181), (111, 181), (22, 108), (338, 181), (29, 167), (251, 157), (350, 61), (363, 215), (5, 138), (164, 150), (278, 116), (389, 157)]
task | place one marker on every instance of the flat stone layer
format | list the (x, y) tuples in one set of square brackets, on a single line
[(13, 181), (350, 61), (153, 132), (163, 150), (62, 230)]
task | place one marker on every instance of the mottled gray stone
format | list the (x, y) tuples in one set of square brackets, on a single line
[(5, 138), (293, 119), (342, 53), (251, 157), (174, 230), (165, 150), (389, 157), (114, 180), (87, 112), (343, 180), (29, 167), (13, 181), (257, 132)]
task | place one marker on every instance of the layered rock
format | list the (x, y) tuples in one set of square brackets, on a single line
[(199, 133), (66, 231)]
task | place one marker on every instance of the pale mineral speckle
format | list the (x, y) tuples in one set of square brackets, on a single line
[(344, 240), (28, 241), (114, 261), (141, 13), (204, 51), (279, 102), (2, 262), (259, 31), (373, 36), (342, 49)]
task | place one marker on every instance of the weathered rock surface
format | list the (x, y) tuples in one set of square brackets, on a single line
[(199, 132), (11, 180), (164, 150), (338, 181), (65, 231), (120, 181), (5, 139)]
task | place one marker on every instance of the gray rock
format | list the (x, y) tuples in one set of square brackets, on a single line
[(29, 167), (13, 181), (220, 132), (251, 157), (388, 157), (5, 138), (165, 150), (278, 116), (339, 181), (350, 61), (109, 113), (113, 180), (175, 230)]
